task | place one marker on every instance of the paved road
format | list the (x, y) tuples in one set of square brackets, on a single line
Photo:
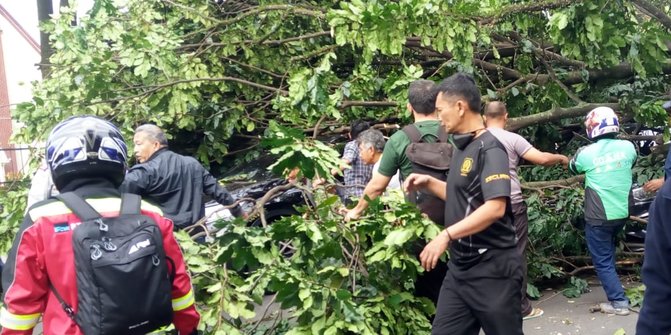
[(564, 316)]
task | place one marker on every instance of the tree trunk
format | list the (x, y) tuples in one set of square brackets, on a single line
[(655, 12), (568, 182), (44, 11), (555, 114)]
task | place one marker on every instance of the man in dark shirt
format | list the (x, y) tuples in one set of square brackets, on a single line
[(174, 182), (484, 277), (655, 317)]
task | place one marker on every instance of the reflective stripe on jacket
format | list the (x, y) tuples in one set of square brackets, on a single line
[(42, 253)]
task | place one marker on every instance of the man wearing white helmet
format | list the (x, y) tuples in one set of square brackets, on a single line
[(607, 167)]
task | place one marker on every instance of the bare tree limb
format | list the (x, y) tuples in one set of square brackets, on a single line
[(527, 8), (536, 185), (555, 114), (275, 191), (315, 131), (260, 9), (552, 74), (270, 73), (621, 71), (297, 38), (655, 12), (348, 104), (44, 11), (590, 267)]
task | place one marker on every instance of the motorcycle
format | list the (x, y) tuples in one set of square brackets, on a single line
[(635, 233)]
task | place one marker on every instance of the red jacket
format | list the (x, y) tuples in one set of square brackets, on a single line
[(42, 254)]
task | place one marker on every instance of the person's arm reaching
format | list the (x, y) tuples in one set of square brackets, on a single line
[(538, 157), (434, 185), (219, 193), (136, 181), (373, 189), (575, 165), (653, 185)]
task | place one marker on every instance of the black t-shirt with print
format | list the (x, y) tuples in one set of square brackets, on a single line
[(478, 173)]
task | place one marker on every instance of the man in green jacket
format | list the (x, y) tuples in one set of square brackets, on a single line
[(607, 167)]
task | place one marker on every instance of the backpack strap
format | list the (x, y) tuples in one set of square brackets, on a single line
[(66, 307), (442, 135), (413, 133), (130, 204), (79, 206)]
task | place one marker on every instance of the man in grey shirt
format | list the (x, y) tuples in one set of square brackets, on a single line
[(517, 147)]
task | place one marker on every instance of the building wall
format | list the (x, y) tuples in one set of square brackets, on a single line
[(19, 56)]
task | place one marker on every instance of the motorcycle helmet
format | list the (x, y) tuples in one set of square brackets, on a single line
[(667, 106), (601, 121), (85, 147)]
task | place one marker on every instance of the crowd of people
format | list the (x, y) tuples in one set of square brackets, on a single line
[(457, 164)]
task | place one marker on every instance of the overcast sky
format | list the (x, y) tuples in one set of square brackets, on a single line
[(25, 12)]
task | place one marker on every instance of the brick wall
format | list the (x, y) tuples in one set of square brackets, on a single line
[(5, 116)]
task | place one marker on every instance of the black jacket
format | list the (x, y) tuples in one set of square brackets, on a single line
[(176, 184), (655, 316)]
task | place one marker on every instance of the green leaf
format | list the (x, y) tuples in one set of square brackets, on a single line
[(561, 20), (398, 237), (343, 295)]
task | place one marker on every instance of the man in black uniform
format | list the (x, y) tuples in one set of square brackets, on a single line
[(655, 317), (174, 182), (484, 277)]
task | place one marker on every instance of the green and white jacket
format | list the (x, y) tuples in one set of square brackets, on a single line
[(607, 168)]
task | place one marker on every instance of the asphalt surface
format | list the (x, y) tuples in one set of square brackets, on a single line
[(564, 316)]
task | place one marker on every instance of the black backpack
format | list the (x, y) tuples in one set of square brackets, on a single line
[(123, 285), (430, 158)]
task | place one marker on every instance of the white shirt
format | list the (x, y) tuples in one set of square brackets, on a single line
[(394, 183)]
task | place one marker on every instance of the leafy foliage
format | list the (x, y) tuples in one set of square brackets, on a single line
[(222, 77), (311, 157), (635, 295), (13, 205), (575, 288), (220, 69), (339, 278)]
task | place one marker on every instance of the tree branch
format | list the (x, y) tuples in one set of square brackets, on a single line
[(347, 104), (621, 71), (554, 114), (290, 8), (552, 74), (536, 185), (526, 8), (655, 12), (297, 38), (155, 88), (270, 73), (543, 51)]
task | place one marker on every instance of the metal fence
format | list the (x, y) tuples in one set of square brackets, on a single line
[(15, 163)]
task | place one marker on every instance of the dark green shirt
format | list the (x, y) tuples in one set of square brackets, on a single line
[(393, 157)]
